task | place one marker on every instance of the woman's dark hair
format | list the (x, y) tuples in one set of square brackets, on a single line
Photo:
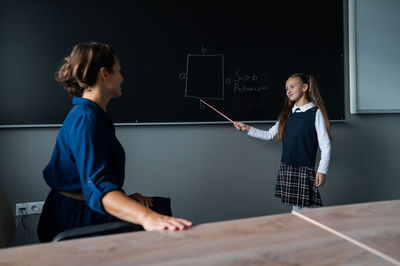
[(80, 68)]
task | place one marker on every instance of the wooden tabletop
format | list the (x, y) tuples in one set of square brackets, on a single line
[(284, 239), (375, 224)]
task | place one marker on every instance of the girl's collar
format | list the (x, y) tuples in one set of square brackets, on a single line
[(304, 107)]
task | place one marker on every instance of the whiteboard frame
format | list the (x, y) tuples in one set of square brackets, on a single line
[(354, 108)]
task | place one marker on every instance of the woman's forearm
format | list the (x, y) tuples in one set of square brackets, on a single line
[(121, 206)]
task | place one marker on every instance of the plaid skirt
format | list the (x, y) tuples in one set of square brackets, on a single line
[(296, 186)]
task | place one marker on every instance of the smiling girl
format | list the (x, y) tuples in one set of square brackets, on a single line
[(302, 126)]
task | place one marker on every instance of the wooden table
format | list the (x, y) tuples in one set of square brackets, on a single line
[(284, 239), (373, 225)]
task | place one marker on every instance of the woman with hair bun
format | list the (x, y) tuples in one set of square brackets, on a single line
[(87, 169)]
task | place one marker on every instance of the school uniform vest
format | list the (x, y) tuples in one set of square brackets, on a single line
[(300, 140)]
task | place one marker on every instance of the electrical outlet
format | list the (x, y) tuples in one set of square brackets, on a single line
[(29, 208)]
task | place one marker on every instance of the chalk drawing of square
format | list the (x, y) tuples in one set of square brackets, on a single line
[(205, 76)]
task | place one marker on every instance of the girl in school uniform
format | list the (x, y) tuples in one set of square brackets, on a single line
[(302, 126)]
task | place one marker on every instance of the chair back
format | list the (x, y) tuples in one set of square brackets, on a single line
[(7, 222)]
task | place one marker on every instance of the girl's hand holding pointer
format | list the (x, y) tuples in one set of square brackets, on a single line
[(241, 126)]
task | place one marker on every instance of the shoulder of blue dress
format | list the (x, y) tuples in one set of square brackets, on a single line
[(76, 100)]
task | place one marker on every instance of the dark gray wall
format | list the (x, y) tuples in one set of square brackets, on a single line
[(213, 172)]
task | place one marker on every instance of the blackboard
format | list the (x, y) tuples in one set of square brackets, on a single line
[(239, 52)]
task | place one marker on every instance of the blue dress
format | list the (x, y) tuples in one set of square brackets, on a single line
[(87, 158)]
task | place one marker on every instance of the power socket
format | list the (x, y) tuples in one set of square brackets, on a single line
[(28, 208)]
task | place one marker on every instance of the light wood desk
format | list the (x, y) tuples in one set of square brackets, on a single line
[(375, 225), (284, 239)]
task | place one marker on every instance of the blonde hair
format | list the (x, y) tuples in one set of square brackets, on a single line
[(312, 95)]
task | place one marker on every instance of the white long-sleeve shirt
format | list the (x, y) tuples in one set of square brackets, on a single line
[(322, 134)]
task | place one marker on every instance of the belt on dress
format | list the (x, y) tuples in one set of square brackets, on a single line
[(73, 195)]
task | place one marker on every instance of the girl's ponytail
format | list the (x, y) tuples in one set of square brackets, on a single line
[(315, 97)]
